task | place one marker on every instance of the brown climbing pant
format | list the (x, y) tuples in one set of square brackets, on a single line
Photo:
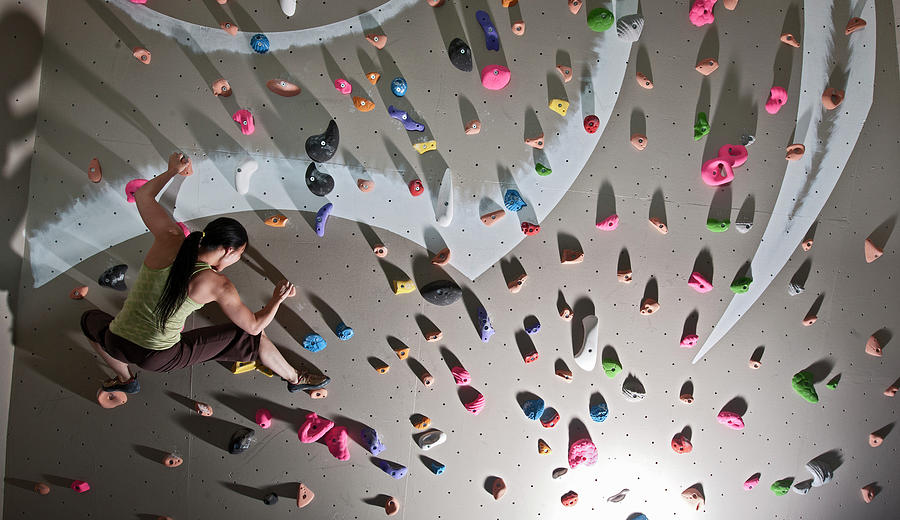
[(226, 342)]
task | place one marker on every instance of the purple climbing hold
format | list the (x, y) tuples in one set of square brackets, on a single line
[(403, 117), (322, 218), (487, 330), (372, 441), (533, 328), (395, 470), (491, 40)]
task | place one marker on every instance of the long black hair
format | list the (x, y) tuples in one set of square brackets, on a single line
[(221, 232)]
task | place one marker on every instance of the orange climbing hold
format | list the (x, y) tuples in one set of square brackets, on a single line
[(95, 173), (433, 336), (565, 72), (489, 219), (111, 399), (278, 221), (515, 285), (402, 353), (873, 347), (318, 393), (229, 27), (643, 80), (381, 367), (380, 250), (362, 104), (378, 40), (365, 185), (79, 293), (283, 87), (571, 257), (141, 54), (659, 225), (535, 142), (518, 28), (807, 244), (304, 496), (373, 77), (509, 3), (649, 306), (566, 314), (873, 252), (832, 98), (707, 66), (442, 257), (854, 25), (473, 127), (564, 374), (221, 87), (639, 142), (789, 39), (794, 152), (624, 276), (420, 422), (575, 6)]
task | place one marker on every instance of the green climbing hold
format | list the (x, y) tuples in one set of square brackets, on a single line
[(701, 127), (611, 367), (781, 487), (741, 285), (717, 226), (600, 19), (834, 382), (542, 170), (803, 385)]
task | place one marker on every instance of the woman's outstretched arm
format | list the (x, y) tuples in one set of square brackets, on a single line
[(155, 217)]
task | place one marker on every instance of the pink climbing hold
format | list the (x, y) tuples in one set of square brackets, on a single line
[(751, 482), (609, 223), (343, 86), (314, 428), (582, 451), (699, 283), (475, 405), (731, 419), (495, 77), (460, 375), (735, 153), (689, 340), (717, 171), (184, 229), (338, 442), (263, 418), (80, 486), (777, 99), (132, 187), (138, 1), (244, 118), (701, 12)]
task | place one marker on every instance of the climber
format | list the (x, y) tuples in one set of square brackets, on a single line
[(180, 275)]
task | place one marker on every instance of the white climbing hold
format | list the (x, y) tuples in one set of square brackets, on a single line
[(586, 357), (288, 7), (243, 174), (443, 212)]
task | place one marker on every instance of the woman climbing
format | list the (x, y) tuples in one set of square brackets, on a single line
[(179, 276)]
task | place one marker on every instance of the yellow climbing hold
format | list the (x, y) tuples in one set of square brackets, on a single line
[(403, 286), (427, 146), (241, 367), (560, 106)]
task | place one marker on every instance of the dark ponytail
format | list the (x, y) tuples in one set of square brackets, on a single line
[(221, 232)]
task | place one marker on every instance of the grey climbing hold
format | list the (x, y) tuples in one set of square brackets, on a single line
[(460, 55), (114, 277), (795, 288), (319, 183), (271, 499), (430, 439), (558, 472), (314, 342), (747, 139), (599, 412), (821, 472), (487, 330), (629, 27), (802, 488), (743, 226), (441, 292), (533, 408), (322, 147), (403, 117), (618, 497), (633, 389), (343, 332), (240, 441), (513, 201)]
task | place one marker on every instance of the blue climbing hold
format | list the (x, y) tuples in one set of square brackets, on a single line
[(343, 332), (533, 408), (259, 43), (372, 441), (398, 87), (314, 342), (436, 467), (513, 201), (599, 412), (393, 469)]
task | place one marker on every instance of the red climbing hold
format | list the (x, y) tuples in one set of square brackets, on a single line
[(416, 188), (681, 444), (591, 124), (569, 499), (530, 229), (95, 173)]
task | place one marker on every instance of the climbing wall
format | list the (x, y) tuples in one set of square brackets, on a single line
[(98, 101)]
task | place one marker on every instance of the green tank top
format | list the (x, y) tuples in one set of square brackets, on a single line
[(137, 320)]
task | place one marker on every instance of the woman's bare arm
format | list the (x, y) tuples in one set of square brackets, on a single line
[(229, 300), (155, 217)]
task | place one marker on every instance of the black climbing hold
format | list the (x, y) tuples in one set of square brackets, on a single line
[(322, 147), (441, 292), (271, 499), (318, 183), (114, 278), (240, 441), (460, 55)]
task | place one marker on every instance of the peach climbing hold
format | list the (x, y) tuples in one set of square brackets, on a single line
[(777, 99), (203, 409), (110, 400), (873, 347), (717, 171), (686, 398), (476, 405), (868, 493), (575, 6), (380, 250), (689, 340), (707, 66), (426, 146), (434, 336), (95, 173), (172, 461), (473, 127), (79, 292), (41, 488), (649, 306), (141, 54), (80, 486), (701, 12), (495, 77), (535, 142), (343, 86), (365, 185), (731, 5), (392, 506), (318, 393), (751, 482), (624, 276), (560, 106), (643, 80), (515, 285), (435, 3), (639, 142), (659, 225), (564, 374), (794, 152), (694, 497), (789, 39), (571, 257), (498, 488), (566, 314), (518, 27), (681, 444), (610, 223), (427, 379), (489, 219), (891, 391), (731, 420), (873, 252), (221, 87), (442, 257), (875, 439), (832, 98), (244, 118), (565, 72), (699, 283), (377, 40), (229, 27), (263, 418), (809, 320), (362, 104), (755, 364), (569, 499), (304, 496), (277, 221), (807, 244), (853, 25), (283, 87), (582, 451)]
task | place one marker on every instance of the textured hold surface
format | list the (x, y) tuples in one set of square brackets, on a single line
[(611, 367), (461, 376), (460, 55), (873, 347), (399, 86), (441, 292), (430, 439), (498, 488), (343, 86), (543, 447), (701, 126), (338, 442), (643, 81), (591, 124), (629, 27), (476, 405), (304, 496), (853, 25), (244, 118), (377, 40), (405, 286), (832, 98), (633, 389), (610, 223), (707, 66), (491, 38), (701, 12), (789, 39), (362, 104), (319, 184), (533, 408), (495, 77), (681, 444), (513, 201), (781, 487), (395, 470), (694, 497), (403, 117), (731, 420), (560, 106), (639, 142), (321, 147), (240, 441), (751, 482), (427, 146), (114, 277), (600, 19), (717, 225), (802, 383), (777, 98), (259, 43), (322, 218), (717, 171), (313, 428), (741, 285), (821, 472), (599, 412), (582, 451), (569, 499), (699, 283)]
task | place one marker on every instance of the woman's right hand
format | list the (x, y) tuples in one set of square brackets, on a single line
[(180, 164), (283, 291)]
